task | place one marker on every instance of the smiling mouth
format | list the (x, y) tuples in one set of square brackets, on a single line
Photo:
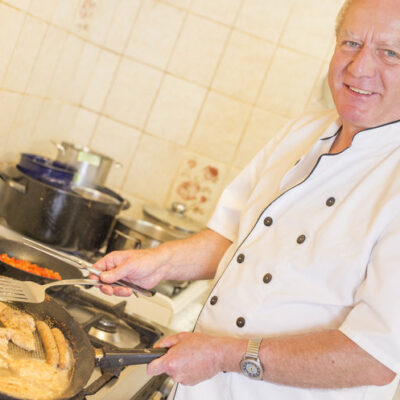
[(359, 91)]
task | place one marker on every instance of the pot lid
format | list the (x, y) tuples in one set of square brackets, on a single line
[(174, 217), (150, 230)]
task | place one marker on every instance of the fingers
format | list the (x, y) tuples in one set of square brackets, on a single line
[(118, 272), (117, 291), (169, 341), (111, 260), (165, 364)]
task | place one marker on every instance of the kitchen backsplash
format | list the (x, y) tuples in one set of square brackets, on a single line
[(183, 93)]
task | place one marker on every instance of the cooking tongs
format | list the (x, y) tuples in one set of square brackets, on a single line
[(86, 265)]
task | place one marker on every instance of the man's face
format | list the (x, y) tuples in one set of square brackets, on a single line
[(364, 73)]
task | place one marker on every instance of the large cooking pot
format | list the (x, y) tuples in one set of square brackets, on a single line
[(62, 218), (91, 167), (84, 354), (136, 233)]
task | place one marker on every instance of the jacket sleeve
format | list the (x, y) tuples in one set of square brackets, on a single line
[(374, 321)]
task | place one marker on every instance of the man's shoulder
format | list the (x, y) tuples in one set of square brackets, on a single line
[(320, 117)]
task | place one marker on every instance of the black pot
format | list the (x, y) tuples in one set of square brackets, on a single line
[(58, 217)]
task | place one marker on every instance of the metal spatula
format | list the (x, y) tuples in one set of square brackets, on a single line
[(31, 292)]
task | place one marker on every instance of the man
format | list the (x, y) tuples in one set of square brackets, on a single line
[(304, 246)]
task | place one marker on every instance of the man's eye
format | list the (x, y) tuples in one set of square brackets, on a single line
[(390, 53), (350, 43)]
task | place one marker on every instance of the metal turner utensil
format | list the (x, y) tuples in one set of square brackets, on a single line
[(32, 292), (82, 264)]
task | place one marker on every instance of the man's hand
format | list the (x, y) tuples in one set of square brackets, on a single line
[(141, 267), (195, 257), (195, 357)]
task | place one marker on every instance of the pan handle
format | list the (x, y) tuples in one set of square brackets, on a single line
[(115, 359)]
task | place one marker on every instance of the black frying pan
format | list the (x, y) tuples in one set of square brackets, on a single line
[(84, 355), (22, 251)]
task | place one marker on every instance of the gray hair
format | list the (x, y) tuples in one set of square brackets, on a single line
[(341, 15)]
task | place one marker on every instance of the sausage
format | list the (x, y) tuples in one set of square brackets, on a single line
[(63, 349), (49, 343)]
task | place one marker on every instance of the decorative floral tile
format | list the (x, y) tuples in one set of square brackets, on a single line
[(198, 185)]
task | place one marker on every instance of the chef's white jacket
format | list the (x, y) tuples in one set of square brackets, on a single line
[(316, 245)]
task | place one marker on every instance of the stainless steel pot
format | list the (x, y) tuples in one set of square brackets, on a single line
[(92, 167), (136, 233), (174, 218)]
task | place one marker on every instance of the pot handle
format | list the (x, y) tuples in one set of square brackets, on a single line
[(59, 146), (125, 204), (12, 183), (114, 359)]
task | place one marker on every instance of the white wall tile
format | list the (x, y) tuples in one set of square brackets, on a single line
[(46, 62), (197, 185), (46, 129), (83, 127), (9, 105), (243, 66), (11, 22), (132, 93), (66, 122), (315, 20), (220, 126), (223, 11), (152, 169), (155, 33), (22, 4), (321, 97), (65, 14), (93, 19), (43, 8), (198, 50), (121, 25), (66, 67), (262, 127), (25, 53), (101, 80), (289, 83), (20, 137), (119, 142), (231, 174), (264, 18), (175, 110), (185, 4), (85, 67)]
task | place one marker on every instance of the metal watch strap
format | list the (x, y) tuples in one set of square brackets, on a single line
[(253, 346)]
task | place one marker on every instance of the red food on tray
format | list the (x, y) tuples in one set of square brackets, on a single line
[(29, 267)]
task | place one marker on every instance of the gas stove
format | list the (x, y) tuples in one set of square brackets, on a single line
[(111, 325), (135, 322)]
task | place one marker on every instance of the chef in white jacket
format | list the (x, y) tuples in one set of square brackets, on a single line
[(304, 246)]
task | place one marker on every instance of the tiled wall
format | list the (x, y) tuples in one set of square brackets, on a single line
[(182, 92)]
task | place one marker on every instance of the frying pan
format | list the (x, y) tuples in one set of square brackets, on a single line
[(22, 251), (85, 356)]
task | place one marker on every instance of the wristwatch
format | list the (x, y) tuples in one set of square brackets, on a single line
[(251, 364)]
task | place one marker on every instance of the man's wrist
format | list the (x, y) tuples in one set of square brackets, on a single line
[(232, 353)]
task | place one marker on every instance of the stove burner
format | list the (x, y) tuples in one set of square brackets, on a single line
[(114, 332), (106, 325)]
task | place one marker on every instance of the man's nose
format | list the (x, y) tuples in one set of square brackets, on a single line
[(363, 64)]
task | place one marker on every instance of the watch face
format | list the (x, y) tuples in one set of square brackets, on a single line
[(251, 368)]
